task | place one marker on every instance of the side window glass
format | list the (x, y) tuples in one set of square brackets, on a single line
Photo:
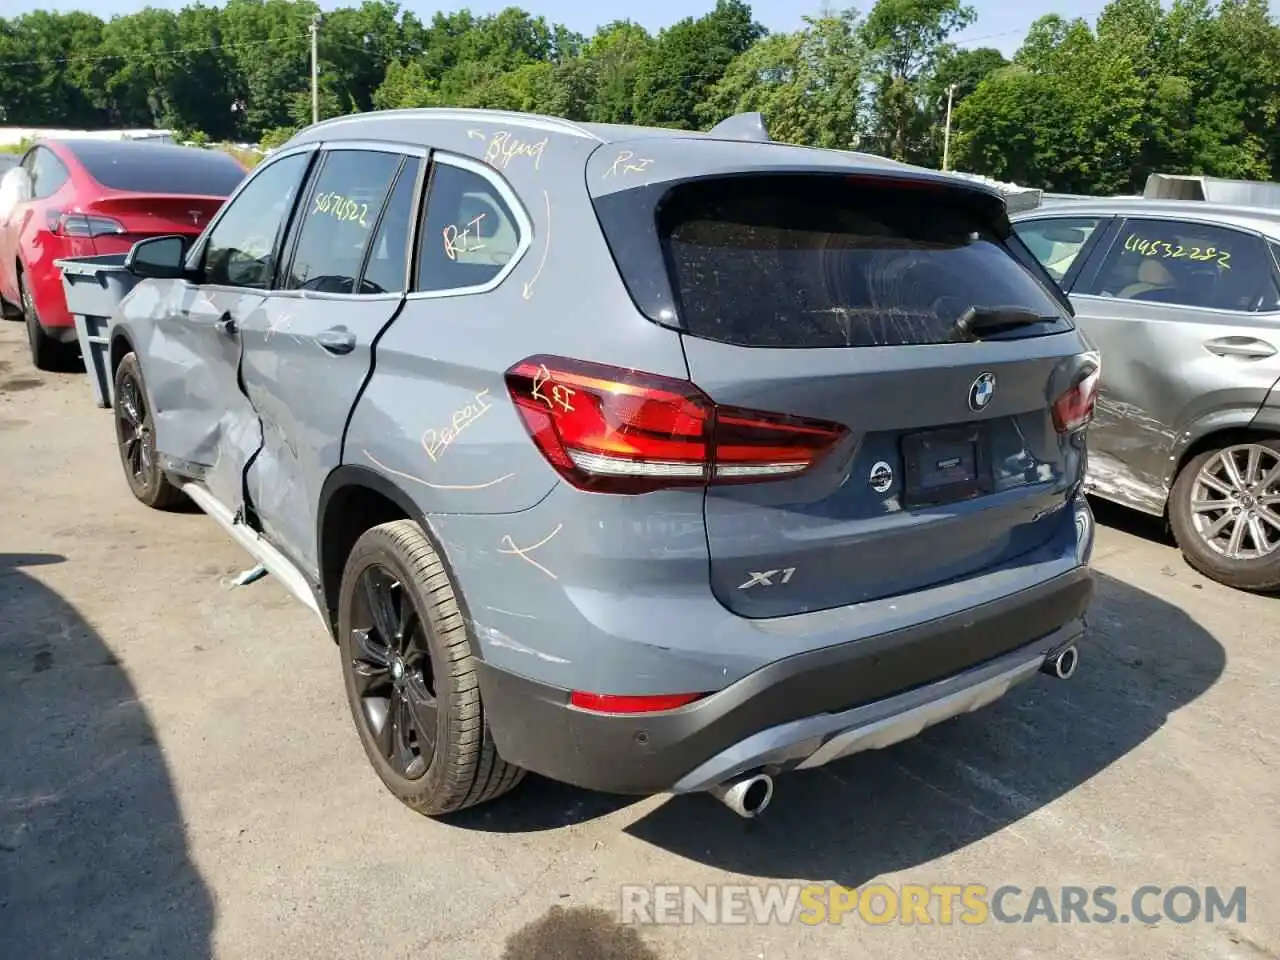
[(1188, 264), (1056, 243), (47, 174), (388, 264), (339, 221), (241, 250), (469, 233)]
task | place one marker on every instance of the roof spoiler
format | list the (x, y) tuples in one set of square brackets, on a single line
[(742, 126)]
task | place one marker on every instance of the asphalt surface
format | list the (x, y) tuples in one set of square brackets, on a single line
[(179, 776)]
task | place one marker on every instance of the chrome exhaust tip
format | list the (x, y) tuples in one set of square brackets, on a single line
[(1062, 664), (746, 796)]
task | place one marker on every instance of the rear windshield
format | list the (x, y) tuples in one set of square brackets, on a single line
[(156, 168), (795, 261)]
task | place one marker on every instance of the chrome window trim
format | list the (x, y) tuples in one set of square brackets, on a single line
[(524, 226)]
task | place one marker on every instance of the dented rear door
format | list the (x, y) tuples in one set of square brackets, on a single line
[(309, 353)]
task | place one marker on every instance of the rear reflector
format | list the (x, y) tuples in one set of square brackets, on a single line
[(613, 430), (611, 703), (1074, 409)]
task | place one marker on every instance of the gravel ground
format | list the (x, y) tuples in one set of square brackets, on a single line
[(181, 777)]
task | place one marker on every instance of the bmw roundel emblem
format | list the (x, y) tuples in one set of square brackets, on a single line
[(881, 478), (981, 392)]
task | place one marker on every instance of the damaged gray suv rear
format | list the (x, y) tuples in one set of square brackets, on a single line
[(646, 460)]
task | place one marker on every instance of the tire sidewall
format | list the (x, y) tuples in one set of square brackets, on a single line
[(148, 491), (1262, 574), (29, 315), (375, 547)]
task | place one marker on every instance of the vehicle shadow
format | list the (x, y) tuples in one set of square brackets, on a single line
[(961, 781), (1133, 522), (93, 856)]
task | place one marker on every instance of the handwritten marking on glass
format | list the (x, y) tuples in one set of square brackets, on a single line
[(627, 162), (561, 396), (436, 442), (343, 208), (434, 486), (523, 552), (464, 240), (527, 292), (502, 148), (1176, 251)]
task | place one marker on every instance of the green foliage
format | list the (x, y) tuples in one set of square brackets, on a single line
[(276, 137), (1189, 89), (1184, 87)]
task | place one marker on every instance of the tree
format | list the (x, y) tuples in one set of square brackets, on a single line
[(687, 61), (907, 40), (806, 84)]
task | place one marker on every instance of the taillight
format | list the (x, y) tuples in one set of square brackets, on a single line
[(644, 703), (612, 430), (82, 224), (1074, 409)]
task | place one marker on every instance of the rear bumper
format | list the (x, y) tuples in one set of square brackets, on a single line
[(801, 711)]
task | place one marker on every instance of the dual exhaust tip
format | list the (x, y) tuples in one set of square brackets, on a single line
[(749, 795)]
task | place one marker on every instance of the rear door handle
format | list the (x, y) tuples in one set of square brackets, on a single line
[(1246, 348), (226, 325), (337, 340)]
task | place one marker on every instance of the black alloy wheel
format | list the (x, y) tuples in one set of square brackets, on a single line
[(136, 440), (391, 666), (133, 431), (409, 673)]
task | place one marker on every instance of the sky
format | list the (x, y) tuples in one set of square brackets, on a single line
[(1000, 24)]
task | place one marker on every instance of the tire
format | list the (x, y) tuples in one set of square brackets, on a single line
[(426, 680), (136, 440), (1192, 514), (46, 352)]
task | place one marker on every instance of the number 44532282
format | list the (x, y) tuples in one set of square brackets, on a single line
[(1176, 251)]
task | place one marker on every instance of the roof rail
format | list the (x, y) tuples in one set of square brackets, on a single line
[(742, 126), (472, 114)]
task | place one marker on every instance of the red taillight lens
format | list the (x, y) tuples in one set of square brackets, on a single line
[(622, 431), (85, 225), (649, 703), (1074, 409)]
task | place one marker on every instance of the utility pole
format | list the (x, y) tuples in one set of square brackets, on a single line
[(946, 136), (315, 70)]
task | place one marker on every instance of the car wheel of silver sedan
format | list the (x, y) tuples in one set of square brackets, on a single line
[(1225, 513)]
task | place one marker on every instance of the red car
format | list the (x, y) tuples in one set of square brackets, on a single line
[(80, 198)]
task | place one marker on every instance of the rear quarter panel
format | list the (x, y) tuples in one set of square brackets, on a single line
[(435, 416)]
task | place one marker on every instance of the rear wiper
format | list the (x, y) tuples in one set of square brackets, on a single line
[(978, 320)]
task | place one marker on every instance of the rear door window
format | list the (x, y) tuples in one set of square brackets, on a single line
[(1057, 243), (48, 173), (1188, 264), (820, 262), (339, 221), (388, 266)]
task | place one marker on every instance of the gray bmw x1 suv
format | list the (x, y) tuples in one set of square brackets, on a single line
[(649, 461)]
